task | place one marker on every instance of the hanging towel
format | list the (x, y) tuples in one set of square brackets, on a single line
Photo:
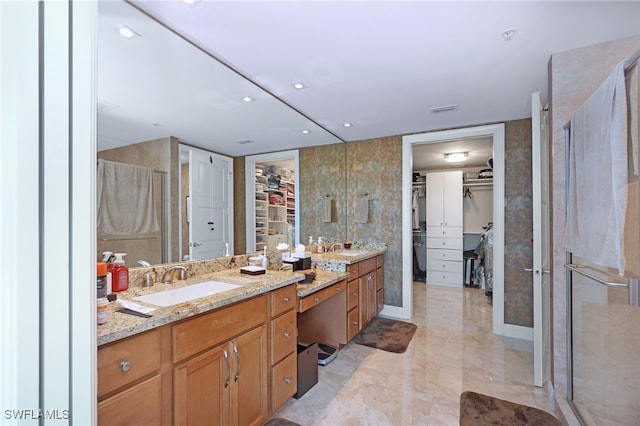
[(326, 209), (633, 92), (416, 210), (597, 190), (125, 199), (362, 209)]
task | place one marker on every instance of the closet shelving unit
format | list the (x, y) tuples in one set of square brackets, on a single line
[(275, 209), (477, 182)]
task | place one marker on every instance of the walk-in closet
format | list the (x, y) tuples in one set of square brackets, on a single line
[(452, 205)]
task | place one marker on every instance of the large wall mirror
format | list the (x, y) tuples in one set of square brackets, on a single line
[(157, 94)]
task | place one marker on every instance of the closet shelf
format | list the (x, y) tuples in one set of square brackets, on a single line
[(478, 182)]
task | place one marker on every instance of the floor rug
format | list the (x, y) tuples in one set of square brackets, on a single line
[(278, 421), (479, 410), (386, 334)]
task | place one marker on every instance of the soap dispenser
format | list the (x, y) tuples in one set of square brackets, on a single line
[(320, 246), (120, 279)]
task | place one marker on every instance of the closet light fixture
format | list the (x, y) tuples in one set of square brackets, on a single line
[(127, 32), (456, 157)]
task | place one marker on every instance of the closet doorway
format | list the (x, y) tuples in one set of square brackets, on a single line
[(448, 142)]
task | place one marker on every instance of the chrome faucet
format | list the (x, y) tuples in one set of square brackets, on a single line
[(332, 247), (169, 272)]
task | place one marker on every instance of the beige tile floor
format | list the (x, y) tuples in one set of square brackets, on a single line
[(452, 351)]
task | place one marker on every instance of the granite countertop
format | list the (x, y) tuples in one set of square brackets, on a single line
[(120, 326), (323, 279)]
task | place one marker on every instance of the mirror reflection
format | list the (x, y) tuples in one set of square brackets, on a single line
[(138, 127)]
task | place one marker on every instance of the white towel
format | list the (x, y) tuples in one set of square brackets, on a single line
[(633, 92), (362, 210), (326, 209), (597, 198), (125, 199), (416, 211)]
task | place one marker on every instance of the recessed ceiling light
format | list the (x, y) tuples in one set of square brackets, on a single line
[(190, 3), (247, 99), (299, 86), (508, 35), (306, 132), (456, 157), (347, 124), (443, 108), (127, 32)]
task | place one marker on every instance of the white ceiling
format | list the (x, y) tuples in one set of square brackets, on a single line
[(380, 65)]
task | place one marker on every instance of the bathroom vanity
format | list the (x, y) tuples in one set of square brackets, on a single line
[(231, 357)]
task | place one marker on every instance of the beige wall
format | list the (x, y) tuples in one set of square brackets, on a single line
[(573, 76)]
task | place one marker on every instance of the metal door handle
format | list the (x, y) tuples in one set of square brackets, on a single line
[(537, 271)]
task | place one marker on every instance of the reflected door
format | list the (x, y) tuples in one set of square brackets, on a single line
[(209, 198), (541, 246)]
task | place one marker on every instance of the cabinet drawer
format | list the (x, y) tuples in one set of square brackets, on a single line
[(127, 360), (444, 243), (353, 271), (449, 278), (318, 297), (197, 334), (284, 381), (439, 254), (283, 336), (139, 405), (380, 261), (283, 299), (353, 322), (444, 266), (367, 266), (352, 297), (444, 231)]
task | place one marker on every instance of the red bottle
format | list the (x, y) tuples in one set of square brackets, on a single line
[(120, 274)]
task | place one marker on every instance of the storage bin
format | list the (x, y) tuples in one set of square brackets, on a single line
[(307, 367)]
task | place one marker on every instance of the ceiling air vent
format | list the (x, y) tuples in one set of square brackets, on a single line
[(443, 108)]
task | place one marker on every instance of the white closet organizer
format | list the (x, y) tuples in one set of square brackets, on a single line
[(444, 228), (275, 206)]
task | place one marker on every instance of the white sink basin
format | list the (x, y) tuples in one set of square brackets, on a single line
[(185, 294), (352, 253)]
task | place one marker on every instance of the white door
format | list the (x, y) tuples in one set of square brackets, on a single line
[(452, 198), (209, 212), (541, 255)]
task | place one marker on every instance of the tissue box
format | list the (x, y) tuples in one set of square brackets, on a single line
[(293, 261), (304, 255)]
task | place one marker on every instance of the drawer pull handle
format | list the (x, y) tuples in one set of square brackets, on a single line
[(226, 356), (316, 299), (286, 299), (355, 323), (287, 380), (338, 289), (235, 350), (286, 334), (125, 366)]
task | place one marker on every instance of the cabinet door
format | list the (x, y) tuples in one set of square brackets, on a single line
[(367, 305), (435, 187), (201, 391), (250, 377), (452, 198)]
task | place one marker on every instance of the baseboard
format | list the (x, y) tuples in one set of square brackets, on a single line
[(518, 332)]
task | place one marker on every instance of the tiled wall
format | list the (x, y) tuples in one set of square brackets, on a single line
[(573, 76)]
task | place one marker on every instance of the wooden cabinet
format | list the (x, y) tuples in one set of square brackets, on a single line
[(283, 344), (380, 283), (226, 382), (130, 381), (368, 306), (444, 228), (353, 302), (322, 316)]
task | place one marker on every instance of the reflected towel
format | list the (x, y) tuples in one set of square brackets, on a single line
[(326, 209), (125, 199), (633, 92), (362, 210), (597, 190)]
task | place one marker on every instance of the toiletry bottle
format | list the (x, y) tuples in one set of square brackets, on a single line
[(320, 246), (265, 261), (107, 257), (101, 314), (120, 274), (101, 280)]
